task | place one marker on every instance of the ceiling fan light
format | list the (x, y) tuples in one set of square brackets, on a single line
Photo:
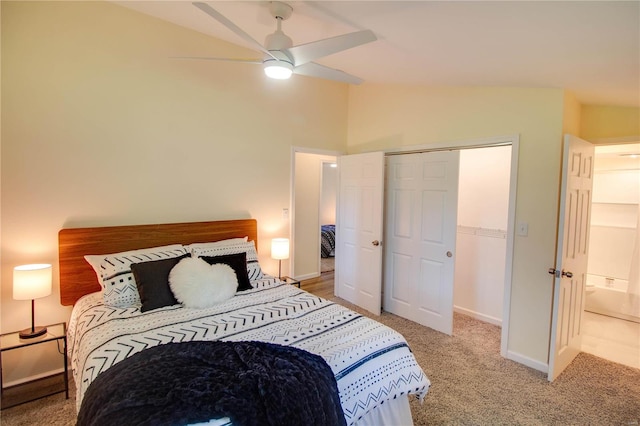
[(279, 70)]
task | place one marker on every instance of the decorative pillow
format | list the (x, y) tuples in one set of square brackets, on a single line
[(238, 262), (196, 284), (114, 272), (253, 267), (216, 244), (152, 281)]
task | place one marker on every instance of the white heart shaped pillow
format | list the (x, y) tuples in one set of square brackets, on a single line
[(196, 284)]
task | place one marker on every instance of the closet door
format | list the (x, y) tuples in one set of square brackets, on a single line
[(358, 273), (421, 219)]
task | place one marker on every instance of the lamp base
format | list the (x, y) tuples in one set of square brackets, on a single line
[(31, 333)]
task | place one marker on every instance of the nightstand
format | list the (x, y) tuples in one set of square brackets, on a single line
[(291, 281), (10, 341)]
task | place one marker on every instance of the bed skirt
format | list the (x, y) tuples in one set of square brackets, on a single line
[(393, 412)]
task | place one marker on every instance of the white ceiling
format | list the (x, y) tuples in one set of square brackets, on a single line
[(591, 48)]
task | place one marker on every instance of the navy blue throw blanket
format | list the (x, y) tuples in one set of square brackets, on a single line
[(252, 383)]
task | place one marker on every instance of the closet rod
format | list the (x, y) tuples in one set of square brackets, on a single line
[(459, 148)]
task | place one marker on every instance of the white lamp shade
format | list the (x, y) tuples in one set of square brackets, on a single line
[(31, 281), (280, 248), (279, 70)]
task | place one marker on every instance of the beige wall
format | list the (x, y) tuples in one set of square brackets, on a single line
[(600, 122), (571, 117), (384, 117), (99, 127)]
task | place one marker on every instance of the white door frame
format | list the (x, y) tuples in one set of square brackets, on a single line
[(292, 192), (514, 141)]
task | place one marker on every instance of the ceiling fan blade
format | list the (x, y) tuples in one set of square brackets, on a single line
[(204, 58), (308, 52), (233, 27), (312, 69)]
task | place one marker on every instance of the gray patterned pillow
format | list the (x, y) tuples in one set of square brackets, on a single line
[(114, 272), (215, 249)]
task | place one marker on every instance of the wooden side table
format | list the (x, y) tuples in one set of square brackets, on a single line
[(291, 281), (12, 341)]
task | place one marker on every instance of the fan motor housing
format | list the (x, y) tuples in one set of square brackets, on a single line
[(278, 41)]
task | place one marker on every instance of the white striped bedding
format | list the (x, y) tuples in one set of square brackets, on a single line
[(372, 363)]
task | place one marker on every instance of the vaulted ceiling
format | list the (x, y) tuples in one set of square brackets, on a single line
[(591, 48)]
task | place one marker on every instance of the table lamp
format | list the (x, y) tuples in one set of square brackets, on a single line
[(280, 250), (32, 282)]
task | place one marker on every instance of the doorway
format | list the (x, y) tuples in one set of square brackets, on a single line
[(481, 240), (310, 205), (328, 198), (612, 299)]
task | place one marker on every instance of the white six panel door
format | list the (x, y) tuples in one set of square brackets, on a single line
[(571, 256), (420, 237), (358, 273)]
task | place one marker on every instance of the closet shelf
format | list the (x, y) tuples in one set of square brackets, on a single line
[(482, 232)]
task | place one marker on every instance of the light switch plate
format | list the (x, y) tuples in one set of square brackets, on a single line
[(523, 229)]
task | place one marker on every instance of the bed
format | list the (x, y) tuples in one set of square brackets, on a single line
[(327, 241), (373, 367)]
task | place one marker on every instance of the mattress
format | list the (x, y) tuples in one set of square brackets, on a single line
[(371, 362)]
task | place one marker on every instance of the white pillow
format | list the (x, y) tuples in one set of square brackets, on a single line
[(196, 284), (253, 267), (114, 272), (216, 244)]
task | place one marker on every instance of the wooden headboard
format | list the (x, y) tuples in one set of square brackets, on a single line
[(77, 278)]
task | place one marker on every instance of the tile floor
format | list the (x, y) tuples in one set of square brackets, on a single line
[(611, 338)]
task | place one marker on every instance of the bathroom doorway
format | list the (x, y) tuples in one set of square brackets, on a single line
[(612, 299)]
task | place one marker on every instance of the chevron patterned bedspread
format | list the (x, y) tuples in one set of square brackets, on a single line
[(371, 362)]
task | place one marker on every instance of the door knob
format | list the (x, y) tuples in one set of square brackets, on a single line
[(557, 273), (375, 243), (449, 254)]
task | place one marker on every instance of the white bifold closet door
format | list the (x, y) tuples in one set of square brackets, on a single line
[(420, 237), (359, 225)]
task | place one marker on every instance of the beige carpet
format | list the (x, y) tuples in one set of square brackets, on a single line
[(327, 264), (471, 385)]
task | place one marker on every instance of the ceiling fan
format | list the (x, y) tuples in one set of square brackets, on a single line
[(281, 58)]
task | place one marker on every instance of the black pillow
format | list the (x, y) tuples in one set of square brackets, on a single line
[(152, 280), (238, 263)]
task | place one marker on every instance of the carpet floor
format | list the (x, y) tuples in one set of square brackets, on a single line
[(471, 384), (327, 264)]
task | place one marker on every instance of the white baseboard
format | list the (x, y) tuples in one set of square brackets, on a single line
[(307, 276), (529, 362), (478, 316), (31, 378)]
